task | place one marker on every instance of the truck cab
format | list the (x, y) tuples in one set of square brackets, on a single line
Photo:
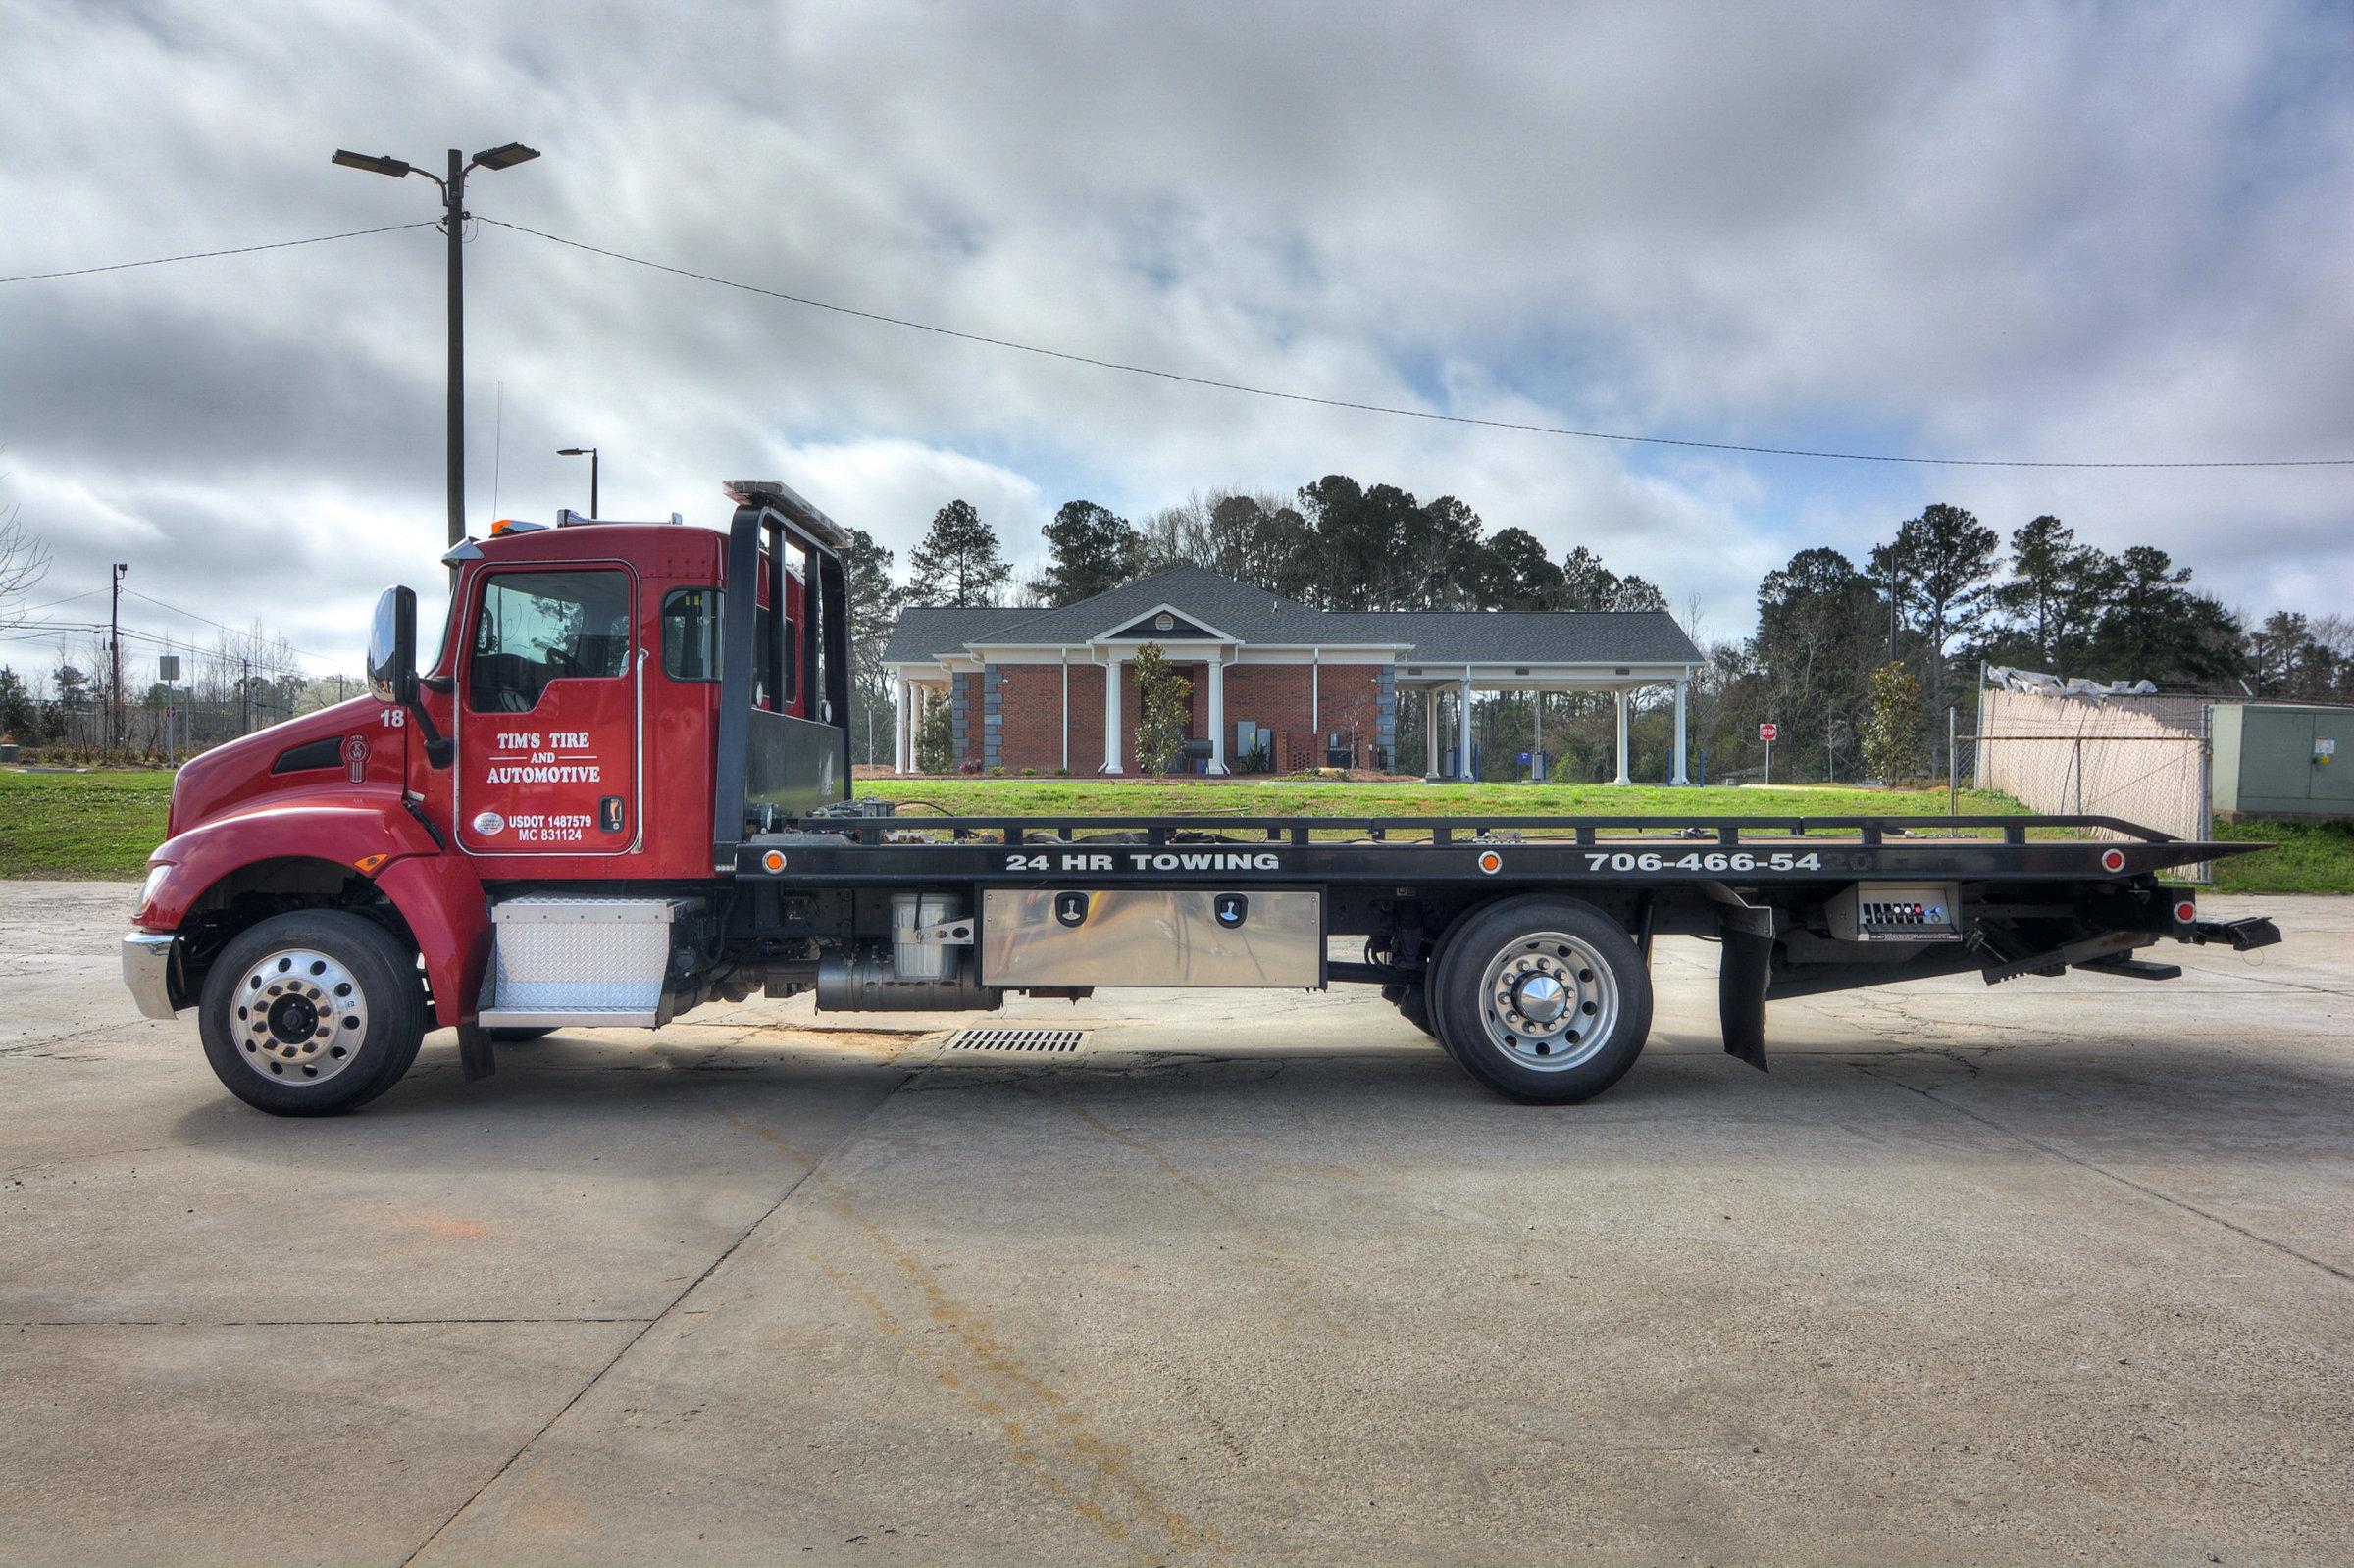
[(564, 734)]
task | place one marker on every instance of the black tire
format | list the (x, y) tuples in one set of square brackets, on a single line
[(1601, 977), (340, 1026), (518, 1034)]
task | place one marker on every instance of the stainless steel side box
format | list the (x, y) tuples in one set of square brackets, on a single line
[(1150, 937)]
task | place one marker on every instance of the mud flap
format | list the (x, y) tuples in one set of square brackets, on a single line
[(1744, 965), (474, 1058)]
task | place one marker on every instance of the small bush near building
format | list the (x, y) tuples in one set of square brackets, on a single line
[(1167, 702), (936, 740), (1892, 733)]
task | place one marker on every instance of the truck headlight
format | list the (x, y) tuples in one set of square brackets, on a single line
[(153, 884)]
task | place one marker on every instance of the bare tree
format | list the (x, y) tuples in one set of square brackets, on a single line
[(23, 562)]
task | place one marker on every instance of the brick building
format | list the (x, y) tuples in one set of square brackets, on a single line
[(1043, 690)]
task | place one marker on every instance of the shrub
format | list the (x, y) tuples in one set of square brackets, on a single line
[(1167, 704), (1892, 730)]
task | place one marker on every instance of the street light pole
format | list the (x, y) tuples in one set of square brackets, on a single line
[(589, 452), (453, 221)]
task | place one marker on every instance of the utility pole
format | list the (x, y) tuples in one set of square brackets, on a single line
[(244, 696), (453, 223), (114, 649), (453, 219)]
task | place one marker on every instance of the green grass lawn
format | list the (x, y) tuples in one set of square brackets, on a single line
[(99, 825), (1334, 798), (2309, 857), (102, 825)]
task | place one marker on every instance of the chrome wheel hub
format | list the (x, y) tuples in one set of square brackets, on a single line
[(1548, 1001), (298, 1017)]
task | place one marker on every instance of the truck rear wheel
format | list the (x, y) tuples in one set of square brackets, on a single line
[(312, 1013), (1545, 1000)]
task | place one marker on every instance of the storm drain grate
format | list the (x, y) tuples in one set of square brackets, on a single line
[(1018, 1039)]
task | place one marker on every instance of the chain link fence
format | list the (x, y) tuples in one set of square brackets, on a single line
[(2141, 758)]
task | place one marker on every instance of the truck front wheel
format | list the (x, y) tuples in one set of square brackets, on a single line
[(312, 1013), (1545, 1000)]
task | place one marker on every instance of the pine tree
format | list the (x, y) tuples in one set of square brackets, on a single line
[(959, 561), (1092, 551)]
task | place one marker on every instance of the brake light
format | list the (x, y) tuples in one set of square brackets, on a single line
[(2185, 912)]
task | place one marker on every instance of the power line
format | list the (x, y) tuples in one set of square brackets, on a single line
[(1404, 413), (221, 625), (207, 255)]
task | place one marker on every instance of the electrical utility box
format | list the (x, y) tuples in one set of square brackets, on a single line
[(2275, 760)]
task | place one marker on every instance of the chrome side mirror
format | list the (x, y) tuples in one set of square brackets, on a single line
[(392, 648)]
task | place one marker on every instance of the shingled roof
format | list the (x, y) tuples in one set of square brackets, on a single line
[(1263, 619)]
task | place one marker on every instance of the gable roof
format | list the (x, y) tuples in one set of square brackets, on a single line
[(1547, 636), (928, 631), (1254, 615)]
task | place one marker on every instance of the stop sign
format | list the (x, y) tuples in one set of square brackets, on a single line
[(1768, 731)]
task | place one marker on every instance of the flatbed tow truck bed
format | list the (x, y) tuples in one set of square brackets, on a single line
[(1801, 905)]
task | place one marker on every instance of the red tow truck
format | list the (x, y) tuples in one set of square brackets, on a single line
[(621, 789)]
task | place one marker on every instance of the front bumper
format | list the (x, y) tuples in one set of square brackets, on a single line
[(147, 971)]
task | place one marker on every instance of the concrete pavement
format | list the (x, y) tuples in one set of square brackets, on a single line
[(2051, 1270)]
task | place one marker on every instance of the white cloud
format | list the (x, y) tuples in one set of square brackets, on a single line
[(2031, 230)]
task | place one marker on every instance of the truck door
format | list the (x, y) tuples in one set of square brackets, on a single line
[(550, 711)]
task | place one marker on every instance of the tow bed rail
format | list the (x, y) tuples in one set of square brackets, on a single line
[(887, 850)]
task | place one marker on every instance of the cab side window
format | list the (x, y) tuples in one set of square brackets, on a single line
[(532, 628), (691, 643), (690, 634)]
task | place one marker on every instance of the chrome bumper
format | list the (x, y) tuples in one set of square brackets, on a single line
[(147, 971)]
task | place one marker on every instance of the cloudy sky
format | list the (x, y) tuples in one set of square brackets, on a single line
[(2043, 232)]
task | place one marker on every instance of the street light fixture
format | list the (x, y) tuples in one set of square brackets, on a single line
[(453, 223), (589, 452)]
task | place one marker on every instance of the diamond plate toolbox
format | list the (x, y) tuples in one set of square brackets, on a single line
[(561, 954)]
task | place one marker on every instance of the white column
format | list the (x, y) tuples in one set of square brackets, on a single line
[(1682, 775), (1111, 714), (1218, 711), (1430, 732), (898, 725), (1066, 710), (1622, 777), (1536, 730), (1462, 738)]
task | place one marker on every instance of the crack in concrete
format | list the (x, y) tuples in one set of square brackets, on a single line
[(2056, 1152), (301, 1323), (646, 1326)]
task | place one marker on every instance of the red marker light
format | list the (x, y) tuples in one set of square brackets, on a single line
[(2185, 912), (2113, 860)]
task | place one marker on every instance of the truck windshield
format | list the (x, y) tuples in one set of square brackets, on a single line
[(538, 627)]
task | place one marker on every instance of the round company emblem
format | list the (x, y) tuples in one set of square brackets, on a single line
[(488, 823)]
